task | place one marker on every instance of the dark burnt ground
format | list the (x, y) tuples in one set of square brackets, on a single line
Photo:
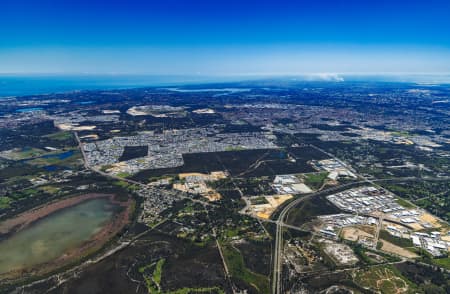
[(187, 265), (310, 208), (132, 152), (243, 163)]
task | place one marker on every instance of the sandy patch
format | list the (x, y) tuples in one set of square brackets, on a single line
[(204, 111), (180, 187), (196, 183), (263, 215), (354, 234), (416, 226), (302, 188), (341, 253), (107, 111), (446, 237), (70, 127), (266, 210), (212, 196), (389, 247), (185, 175), (213, 176), (118, 167), (426, 217), (91, 136)]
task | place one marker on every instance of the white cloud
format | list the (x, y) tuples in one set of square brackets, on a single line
[(328, 77)]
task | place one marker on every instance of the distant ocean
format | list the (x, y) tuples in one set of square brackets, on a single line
[(21, 85), (32, 85)]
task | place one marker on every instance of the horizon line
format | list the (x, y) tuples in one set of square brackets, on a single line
[(288, 74)]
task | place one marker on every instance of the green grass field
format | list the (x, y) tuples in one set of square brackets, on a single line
[(402, 242), (25, 153), (4, 202), (259, 200), (315, 180), (49, 189), (153, 279), (123, 175), (157, 273), (60, 136), (442, 262), (404, 203), (70, 161)]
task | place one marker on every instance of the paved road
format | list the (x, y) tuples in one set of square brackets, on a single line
[(130, 181), (280, 224), (279, 243), (277, 262), (87, 166)]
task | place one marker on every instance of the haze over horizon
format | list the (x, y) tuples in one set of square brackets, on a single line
[(231, 38)]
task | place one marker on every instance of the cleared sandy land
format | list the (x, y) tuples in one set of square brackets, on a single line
[(446, 237), (302, 188), (196, 183), (108, 111), (265, 210), (354, 234), (204, 111), (212, 196), (91, 136), (341, 253), (136, 111), (70, 127), (213, 176), (426, 217), (389, 247), (184, 175)]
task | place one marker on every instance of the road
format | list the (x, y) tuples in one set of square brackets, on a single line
[(280, 221), (87, 166), (279, 243), (130, 181), (280, 224)]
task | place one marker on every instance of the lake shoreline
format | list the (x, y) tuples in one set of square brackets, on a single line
[(117, 222), (25, 219)]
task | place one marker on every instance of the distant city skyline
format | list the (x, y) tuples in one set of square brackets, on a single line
[(226, 38)]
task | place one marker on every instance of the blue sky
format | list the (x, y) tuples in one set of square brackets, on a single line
[(224, 37)]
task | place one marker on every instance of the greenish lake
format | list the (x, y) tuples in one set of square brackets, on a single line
[(55, 234)]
